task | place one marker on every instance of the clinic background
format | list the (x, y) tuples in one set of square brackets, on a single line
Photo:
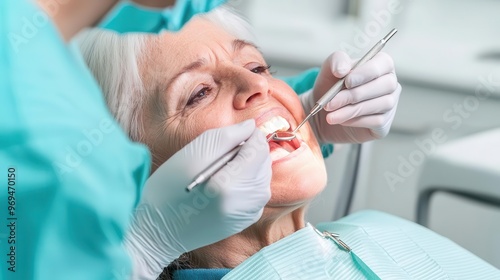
[(447, 53)]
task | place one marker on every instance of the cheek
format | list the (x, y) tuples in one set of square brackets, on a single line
[(288, 98), (302, 178), (299, 183), (184, 130)]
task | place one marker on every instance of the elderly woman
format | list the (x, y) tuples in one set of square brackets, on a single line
[(208, 75)]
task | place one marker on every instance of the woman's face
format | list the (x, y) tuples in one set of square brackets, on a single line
[(206, 78)]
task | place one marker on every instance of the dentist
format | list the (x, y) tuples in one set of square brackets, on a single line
[(75, 178)]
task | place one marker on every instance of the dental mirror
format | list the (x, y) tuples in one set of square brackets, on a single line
[(282, 136), (288, 136)]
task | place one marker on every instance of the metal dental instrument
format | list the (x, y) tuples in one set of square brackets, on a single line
[(334, 90), (216, 166)]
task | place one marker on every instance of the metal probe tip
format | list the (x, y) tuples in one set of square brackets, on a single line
[(191, 186), (388, 36)]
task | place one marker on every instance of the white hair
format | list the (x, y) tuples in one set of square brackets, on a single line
[(114, 60)]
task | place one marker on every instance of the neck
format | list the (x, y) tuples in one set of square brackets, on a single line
[(232, 251), (71, 16)]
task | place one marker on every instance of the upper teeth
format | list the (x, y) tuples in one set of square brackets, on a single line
[(274, 124)]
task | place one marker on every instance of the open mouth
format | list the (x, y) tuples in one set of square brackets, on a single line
[(279, 149)]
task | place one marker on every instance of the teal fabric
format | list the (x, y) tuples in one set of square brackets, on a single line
[(383, 247), (303, 81), (128, 17), (327, 149), (363, 267), (200, 274), (77, 175)]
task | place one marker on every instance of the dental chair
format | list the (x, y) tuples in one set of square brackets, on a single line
[(348, 182), (343, 171), (467, 167)]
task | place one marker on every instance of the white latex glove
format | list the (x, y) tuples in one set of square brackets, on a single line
[(363, 111), (170, 221)]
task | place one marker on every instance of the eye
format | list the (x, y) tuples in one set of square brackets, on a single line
[(199, 95), (260, 69)]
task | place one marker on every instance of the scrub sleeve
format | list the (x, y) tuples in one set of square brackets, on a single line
[(75, 174)]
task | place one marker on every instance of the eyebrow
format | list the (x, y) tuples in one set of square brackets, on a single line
[(240, 44), (237, 45), (190, 67)]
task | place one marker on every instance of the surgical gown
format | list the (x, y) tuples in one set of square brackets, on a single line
[(74, 176)]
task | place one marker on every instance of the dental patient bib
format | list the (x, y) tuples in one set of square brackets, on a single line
[(383, 247)]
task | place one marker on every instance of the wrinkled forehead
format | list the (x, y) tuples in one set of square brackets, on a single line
[(169, 52), (166, 52), (197, 36)]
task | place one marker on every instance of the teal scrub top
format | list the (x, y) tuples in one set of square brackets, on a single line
[(128, 17), (70, 175)]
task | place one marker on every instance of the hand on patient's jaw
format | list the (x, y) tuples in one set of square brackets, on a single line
[(363, 111), (170, 221)]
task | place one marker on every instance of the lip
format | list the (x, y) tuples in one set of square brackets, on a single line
[(278, 111), (292, 155)]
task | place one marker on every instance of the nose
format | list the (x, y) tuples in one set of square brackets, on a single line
[(251, 88)]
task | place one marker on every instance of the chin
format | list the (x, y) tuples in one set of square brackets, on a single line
[(297, 178)]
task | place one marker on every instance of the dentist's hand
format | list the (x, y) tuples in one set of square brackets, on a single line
[(170, 221), (363, 111)]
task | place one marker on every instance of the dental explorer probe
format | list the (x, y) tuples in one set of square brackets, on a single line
[(216, 166), (334, 90)]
